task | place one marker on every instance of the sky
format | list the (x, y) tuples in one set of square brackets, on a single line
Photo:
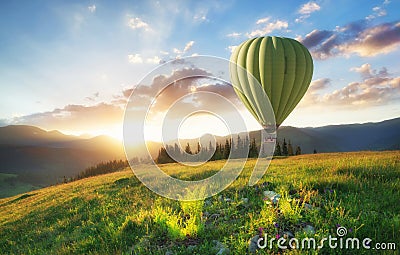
[(71, 65)]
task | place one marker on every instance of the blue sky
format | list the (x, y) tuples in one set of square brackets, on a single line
[(66, 64)]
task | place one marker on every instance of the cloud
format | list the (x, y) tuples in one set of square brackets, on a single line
[(135, 58), (188, 46), (234, 34), (201, 16), (137, 23), (232, 48), (375, 88), (267, 27), (312, 95), (153, 60), (92, 8), (306, 10), (373, 41), (263, 20), (197, 80), (378, 11), (319, 84), (366, 71), (309, 8), (354, 38), (75, 117), (94, 97)]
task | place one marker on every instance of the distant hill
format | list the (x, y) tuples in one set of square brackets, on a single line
[(31, 136), (383, 135), (41, 158)]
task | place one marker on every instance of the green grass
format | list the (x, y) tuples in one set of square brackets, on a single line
[(116, 214)]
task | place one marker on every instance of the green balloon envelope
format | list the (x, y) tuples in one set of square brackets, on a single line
[(282, 66)]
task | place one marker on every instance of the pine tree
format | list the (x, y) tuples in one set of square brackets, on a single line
[(290, 149), (239, 142), (278, 151), (177, 151), (187, 149), (284, 148), (227, 149), (198, 148), (246, 144), (315, 151), (212, 150), (253, 151), (298, 150), (232, 148)]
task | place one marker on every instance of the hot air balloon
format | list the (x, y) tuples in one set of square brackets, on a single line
[(282, 66)]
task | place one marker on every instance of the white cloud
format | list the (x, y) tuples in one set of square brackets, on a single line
[(377, 11), (309, 8), (367, 72), (232, 48), (137, 23), (200, 17), (375, 88), (135, 58), (92, 8), (263, 20), (306, 10), (153, 60), (188, 46), (234, 34), (268, 28)]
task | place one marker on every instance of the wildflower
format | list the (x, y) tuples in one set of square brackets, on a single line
[(276, 225), (265, 198), (338, 226), (278, 236), (350, 230)]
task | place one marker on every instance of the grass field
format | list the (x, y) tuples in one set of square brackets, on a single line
[(116, 214)]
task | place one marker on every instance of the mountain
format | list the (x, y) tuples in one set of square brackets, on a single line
[(383, 135), (29, 135), (41, 158)]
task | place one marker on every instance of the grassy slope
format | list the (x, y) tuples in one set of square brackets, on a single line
[(114, 213)]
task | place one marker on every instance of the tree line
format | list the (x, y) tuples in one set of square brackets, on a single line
[(222, 150), (101, 168), (286, 149)]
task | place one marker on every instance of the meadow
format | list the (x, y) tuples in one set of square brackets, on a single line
[(313, 196)]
